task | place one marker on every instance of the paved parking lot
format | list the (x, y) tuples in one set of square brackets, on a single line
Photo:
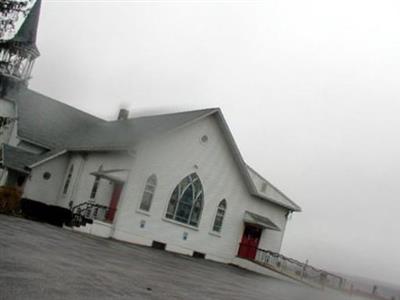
[(38, 261)]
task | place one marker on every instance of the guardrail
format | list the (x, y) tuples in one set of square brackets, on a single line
[(297, 270), (305, 273)]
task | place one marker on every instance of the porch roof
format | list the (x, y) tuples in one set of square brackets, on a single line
[(21, 160), (17, 159), (115, 175), (262, 221)]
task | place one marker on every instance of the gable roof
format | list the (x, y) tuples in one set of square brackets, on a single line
[(21, 160), (244, 169), (48, 122), (16, 158), (123, 134), (271, 193), (55, 125)]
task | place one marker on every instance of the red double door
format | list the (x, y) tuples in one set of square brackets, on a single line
[(250, 240)]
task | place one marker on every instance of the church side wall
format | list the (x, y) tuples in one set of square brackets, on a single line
[(38, 188), (173, 157)]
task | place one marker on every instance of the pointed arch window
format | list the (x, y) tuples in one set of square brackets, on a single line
[(68, 179), (219, 217), (148, 193), (186, 203)]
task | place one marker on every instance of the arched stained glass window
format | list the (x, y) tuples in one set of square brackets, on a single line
[(148, 193), (186, 203), (68, 179), (219, 217)]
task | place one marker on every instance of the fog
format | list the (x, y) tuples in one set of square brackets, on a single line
[(309, 89)]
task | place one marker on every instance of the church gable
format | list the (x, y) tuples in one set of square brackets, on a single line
[(199, 191), (201, 147)]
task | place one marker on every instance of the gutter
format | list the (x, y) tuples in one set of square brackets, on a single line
[(47, 159)]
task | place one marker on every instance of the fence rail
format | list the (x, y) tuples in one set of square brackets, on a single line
[(304, 272), (298, 270)]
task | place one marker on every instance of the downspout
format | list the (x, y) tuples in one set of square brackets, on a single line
[(288, 215)]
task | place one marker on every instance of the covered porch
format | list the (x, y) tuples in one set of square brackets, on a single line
[(255, 226), (96, 216)]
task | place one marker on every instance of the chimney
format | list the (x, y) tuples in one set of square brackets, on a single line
[(123, 114)]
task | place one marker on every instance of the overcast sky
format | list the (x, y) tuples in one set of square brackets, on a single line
[(310, 90)]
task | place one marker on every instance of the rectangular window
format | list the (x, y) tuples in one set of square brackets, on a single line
[(68, 179), (219, 218), (94, 188), (146, 201)]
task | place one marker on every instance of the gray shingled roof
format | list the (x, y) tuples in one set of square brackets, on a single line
[(17, 158), (53, 124), (20, 160), (48, 122), (260, 220), (117, 135)]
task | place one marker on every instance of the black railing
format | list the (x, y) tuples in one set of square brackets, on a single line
[(86, 212)]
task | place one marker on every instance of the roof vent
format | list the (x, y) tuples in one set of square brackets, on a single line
[(123, 114)]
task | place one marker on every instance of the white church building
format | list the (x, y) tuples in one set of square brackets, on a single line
[(175, 181), (178, 179)]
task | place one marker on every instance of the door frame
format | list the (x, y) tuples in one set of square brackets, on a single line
[(250, 241)]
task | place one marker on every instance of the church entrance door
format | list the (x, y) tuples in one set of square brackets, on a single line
[(250, 240), (114, 201)]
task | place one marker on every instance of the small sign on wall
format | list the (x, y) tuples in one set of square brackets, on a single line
[(142, 223)]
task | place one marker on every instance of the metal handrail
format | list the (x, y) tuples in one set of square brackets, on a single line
[(86, 212)]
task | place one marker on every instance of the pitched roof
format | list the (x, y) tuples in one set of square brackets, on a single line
[(119, 135), (22, 160), (16, 158), (55, 125), (260, 220), (48, 122), (272, 193)]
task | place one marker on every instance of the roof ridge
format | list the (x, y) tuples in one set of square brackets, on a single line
[(205, 110)]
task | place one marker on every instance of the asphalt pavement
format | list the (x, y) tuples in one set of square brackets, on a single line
[(40, 261)]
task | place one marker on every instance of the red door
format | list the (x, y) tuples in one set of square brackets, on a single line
[(250, 239), (114, 202)]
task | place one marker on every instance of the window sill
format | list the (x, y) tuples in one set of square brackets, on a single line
[(143, 212), (180, 224), (217, 234)]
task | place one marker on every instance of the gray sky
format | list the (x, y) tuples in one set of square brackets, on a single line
[(309, 89)]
